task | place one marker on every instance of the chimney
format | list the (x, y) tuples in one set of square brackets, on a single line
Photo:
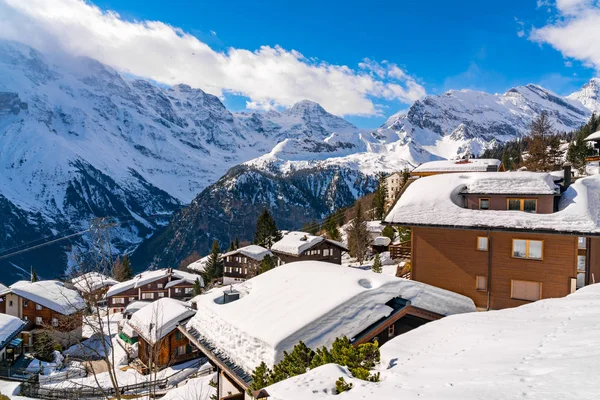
[(567, 175)]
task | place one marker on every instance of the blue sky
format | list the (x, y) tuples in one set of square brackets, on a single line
[(439, 45)]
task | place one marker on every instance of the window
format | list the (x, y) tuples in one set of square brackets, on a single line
[(188, 290), (178, 290), (54, 321), (26, 318), (527, 205), (161, 294), (391, 330), (118, 300), (484, 204), (181, 350), (148, 296), (39, 321), (10, 303), (178, 335), (481, 282), (326, 253), (482, 243), (25, 303), (525, 290), (38, 307), (159, 285), (581, 243), (530, 249), (245, 260)]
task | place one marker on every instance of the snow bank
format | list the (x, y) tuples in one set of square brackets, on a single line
[(435, 200), (295, 243), (315, 302), (472, 165), (547, 350), (512, 183), (160, 318), (253, 251), (50, 294), (194, 389)]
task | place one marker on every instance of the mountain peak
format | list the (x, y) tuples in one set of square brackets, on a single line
[(589, 95), (304, 107)]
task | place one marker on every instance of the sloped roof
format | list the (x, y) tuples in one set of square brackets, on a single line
[(9, 327), (92, 281), (253, 251), (151, 276), (295, 243), (436, 201), (593, 136), (50, 294), (471, 165), (158, 319)]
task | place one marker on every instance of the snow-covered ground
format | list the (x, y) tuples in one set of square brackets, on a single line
[(545, 350), (12, 389), (194, 389)]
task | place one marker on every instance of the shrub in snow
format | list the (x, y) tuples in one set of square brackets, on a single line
[(377, 264), (341, 385), (389, 232)]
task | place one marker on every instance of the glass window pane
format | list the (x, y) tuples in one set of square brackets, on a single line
[(530, 206), (580, 280), (520, 248), (535, 249), (582, 242), (484, 204), (482, 243), (514, 204), (581, 263)]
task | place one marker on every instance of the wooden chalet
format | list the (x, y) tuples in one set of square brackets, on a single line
[(160, 343), (92, 286), (46, 306), (243, 263), (502, 239), (454, 166), (594, 138), (151, 286), (302, 246)]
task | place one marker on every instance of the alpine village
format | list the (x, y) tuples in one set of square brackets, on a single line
[(157, 245)]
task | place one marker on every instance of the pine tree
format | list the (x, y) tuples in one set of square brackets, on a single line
[(379, 199), (579, 149), (197, 287), (214, 265), (231, 246), (358, 236), (266, 230), (377, 265), (237, 243), (261, 376), (389, 232), (507, 161), (537, 149), (121, 270), (266, 264), (342, 386), (34, 276)]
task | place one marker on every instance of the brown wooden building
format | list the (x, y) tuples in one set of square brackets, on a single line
[(502, 242), (46, 306), (243, 263), (302, 246), (161, 344), (151, 286)]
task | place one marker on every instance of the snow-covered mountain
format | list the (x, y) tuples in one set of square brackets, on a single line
[(589, 95), (80, 140)]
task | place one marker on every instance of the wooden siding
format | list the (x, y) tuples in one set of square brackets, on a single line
[(594, 261), (545, 203), (251, 265), (449, 259), (164, 352), (335, 258), (152, 287)]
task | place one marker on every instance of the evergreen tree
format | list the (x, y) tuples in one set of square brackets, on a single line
[(214, 265), (342, 386), (404, 234), (330, 226), (377, 265), (266, 230), (507, 161), (297, 362), (537, 149), (266, 264), (389, 232), (43, 346), (579, 149), (34, 276), (121, 270), (237, 243), (231, 246), (261, 376), (378, 203), (197, 287), (358, 236)]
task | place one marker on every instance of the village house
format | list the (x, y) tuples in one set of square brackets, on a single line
[(455, 166), (503, 239), (243, 263), (11, 345), (46, 306), (93, 286), (160, 343), (393, 184), (302, 246), (309, 301), (150, 286), (380, 244)]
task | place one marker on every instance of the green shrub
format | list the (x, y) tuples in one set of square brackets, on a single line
[(342, 386)]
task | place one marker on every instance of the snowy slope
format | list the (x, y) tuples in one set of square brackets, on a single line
[(545, 350), (589, 95)]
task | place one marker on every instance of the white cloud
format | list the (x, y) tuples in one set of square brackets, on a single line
[(270, 76), (576, 31)]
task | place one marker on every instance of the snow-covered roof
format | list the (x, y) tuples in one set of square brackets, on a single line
[(50, 294), (160, 318), (435, 201), (543, 350), (135, 306), (3, 289), (381, 241), (253, 251), (92, 281), (151, 276), (9, 327), (312, 301), (375, 226), (517, 183), (295, 243), (593, 136), (199, 265), (471, 165)]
